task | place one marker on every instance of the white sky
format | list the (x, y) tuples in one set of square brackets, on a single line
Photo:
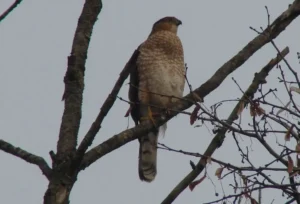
[(35, 41)]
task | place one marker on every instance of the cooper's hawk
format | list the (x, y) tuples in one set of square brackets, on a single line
[(159, 74)]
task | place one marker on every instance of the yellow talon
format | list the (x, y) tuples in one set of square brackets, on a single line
[(149, 117)]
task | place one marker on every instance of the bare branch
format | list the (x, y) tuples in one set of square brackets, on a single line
[(74, 80), (26, 156), (10, 9), (109, 102), (249, 191), (217, 141), (287, 63), (228, 165), (64, 162), (258, 42)]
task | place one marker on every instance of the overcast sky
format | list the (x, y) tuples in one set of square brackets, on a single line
[(35, 41)]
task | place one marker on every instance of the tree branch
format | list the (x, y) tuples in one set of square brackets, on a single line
[(10, 9), (109, 102), (26, 156), (64, 162), (217, 141), (258, 42), (225, 164), (74, 79)]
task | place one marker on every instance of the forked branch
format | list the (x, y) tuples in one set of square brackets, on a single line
[(241, 57), (217, 141)]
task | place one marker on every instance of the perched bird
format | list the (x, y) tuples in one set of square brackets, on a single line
[(159, 74)]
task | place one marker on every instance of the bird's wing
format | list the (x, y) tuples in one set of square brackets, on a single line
[(133, 92)]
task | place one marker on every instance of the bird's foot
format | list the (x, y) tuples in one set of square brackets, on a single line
[(150, 116)]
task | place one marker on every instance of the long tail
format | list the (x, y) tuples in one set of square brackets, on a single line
[(148, 156)]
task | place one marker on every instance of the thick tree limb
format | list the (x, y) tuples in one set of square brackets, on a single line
[(10, 9), (74, 79), (217, 141), (108, 103), (65, 172), (26, 156), (258, 42)]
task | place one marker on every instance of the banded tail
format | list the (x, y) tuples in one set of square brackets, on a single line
[(148, 156)]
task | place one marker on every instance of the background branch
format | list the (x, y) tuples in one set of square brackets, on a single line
[(10, 9), (26, 156), (217, 141)]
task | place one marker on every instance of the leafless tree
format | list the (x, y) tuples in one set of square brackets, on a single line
[(71, 157)]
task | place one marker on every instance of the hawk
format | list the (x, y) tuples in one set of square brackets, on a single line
[(156, 81)]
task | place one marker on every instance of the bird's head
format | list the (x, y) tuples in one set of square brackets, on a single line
[(166, 24)]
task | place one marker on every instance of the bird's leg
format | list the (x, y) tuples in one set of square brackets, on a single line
[(150, 116)]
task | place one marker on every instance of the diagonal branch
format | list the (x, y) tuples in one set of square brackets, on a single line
[(26, 156), (258, 42), (217, 141), (108, 103), (10, 9), (74, 79)]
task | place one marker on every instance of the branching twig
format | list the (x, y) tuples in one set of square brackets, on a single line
[(228, 165), (218, 139)]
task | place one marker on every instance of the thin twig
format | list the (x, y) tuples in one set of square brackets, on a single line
[(220, 136), (10, 9)]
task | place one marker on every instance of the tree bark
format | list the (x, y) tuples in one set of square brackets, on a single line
[(64, 164)]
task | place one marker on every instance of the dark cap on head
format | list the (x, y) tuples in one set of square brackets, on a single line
[(169, 19)]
